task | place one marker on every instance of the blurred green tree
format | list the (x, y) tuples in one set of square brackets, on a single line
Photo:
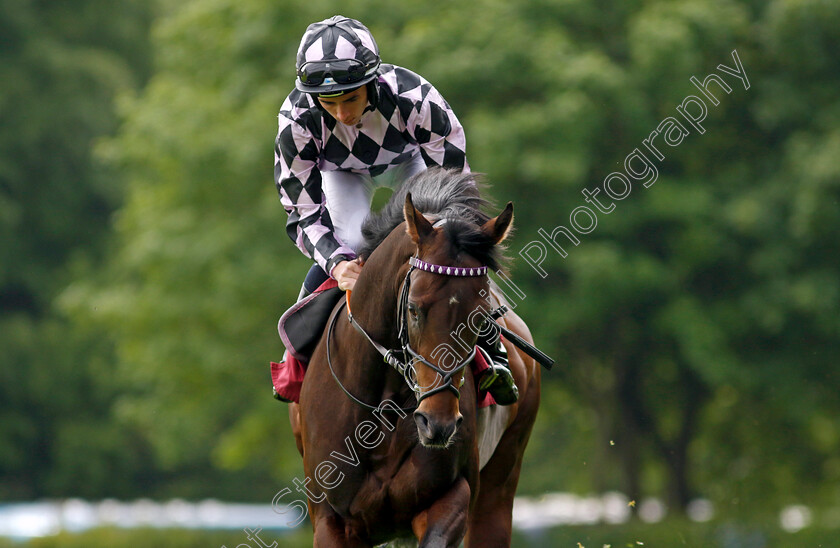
[(697, 320), (61, 66), (695, 323)]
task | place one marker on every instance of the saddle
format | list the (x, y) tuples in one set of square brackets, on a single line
[(301, 328)]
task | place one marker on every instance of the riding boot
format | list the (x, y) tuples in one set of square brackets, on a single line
[(497, 380)]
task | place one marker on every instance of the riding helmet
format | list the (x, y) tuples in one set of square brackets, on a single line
[(338, 38)]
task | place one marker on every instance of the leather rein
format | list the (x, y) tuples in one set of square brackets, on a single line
[(404, 358)]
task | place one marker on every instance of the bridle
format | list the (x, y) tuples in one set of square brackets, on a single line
[(404, 358)]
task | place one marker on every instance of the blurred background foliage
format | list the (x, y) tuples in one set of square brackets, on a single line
[(144, 261)]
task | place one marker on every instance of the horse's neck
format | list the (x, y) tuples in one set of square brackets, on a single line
[(373, 303), (375, 296)]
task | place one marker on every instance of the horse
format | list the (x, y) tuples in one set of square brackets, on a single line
[(392, 452)]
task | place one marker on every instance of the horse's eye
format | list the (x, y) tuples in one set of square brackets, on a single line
[(413, 311)]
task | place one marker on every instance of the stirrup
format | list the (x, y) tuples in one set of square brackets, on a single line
[(498, 380)]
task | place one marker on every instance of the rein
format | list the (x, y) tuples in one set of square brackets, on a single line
[(404, 358)]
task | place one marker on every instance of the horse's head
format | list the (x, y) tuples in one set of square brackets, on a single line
[(442, 312)]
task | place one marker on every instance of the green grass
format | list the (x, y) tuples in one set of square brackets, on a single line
[(675, 533), (162, 538), (668, 534)]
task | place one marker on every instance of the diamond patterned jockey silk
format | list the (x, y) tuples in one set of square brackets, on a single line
[(410, 115)]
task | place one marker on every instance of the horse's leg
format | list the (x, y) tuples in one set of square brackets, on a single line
[(490, 521), (294, 420), (330, 532), (444, 523)]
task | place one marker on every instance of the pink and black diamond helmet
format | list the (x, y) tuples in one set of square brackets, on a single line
[(336, 55)]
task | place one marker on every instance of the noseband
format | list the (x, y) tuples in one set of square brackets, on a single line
[(403, 359)]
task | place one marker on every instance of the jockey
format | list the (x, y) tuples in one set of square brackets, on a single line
[(349, 120)]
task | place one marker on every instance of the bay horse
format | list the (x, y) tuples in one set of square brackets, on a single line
[(392, 453)]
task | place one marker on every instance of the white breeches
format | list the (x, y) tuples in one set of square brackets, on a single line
[(349, 196)]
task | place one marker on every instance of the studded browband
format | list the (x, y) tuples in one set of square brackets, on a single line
[(447, 270)]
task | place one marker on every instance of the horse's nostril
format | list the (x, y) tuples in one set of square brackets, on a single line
[(421, 420), (436, 432)]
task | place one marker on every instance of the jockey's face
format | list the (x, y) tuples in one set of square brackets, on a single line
[(347, 108)]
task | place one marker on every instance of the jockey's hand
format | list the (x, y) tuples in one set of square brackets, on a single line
[(346, 273)]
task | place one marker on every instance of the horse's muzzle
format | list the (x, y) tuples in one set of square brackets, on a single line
[(436, 433)]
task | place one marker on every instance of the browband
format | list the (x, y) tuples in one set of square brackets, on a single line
[(447, 270)]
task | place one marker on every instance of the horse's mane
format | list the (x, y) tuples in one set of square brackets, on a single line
[(440, 194)]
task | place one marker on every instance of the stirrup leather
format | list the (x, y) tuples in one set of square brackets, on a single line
[(491, 375)]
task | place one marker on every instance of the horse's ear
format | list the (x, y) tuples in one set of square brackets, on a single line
[(498, 228), (417, 226)]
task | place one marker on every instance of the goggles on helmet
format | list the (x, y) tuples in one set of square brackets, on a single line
[(342, 71)]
